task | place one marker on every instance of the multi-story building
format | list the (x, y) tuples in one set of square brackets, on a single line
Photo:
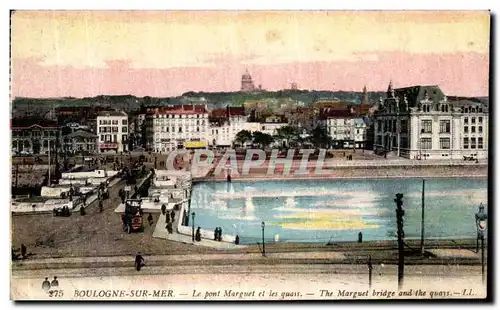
[(225, 125), (176, 127), (360, 133), (271, 124), (339, 125), (113, 131), (301, 117), (137, 130), (419, 122), (80, 141), (34, 136)]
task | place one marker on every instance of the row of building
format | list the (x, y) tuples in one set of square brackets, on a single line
[(417, 122)]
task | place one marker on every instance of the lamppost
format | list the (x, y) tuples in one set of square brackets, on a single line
[(481, 223), (263, 244), (192, 235)]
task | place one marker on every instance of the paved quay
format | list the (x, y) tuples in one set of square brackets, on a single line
[(189, 257)]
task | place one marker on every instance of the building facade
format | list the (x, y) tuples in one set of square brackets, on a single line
[(34, 136), (345, 129), (113, 131), (420, 122), (80, 142), (230, 121), (176, 127)]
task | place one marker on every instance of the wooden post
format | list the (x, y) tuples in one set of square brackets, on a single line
[(422, 229)]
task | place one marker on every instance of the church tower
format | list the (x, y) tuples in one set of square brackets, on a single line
[(390, 90), (364, 98)]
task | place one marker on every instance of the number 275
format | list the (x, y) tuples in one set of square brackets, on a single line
[(58, 293)]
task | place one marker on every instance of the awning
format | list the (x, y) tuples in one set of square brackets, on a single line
[(195, 144)]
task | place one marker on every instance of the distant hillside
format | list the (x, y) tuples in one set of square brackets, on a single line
[(129, 103)]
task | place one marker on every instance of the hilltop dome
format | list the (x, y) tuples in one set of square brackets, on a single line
[(247, 83)]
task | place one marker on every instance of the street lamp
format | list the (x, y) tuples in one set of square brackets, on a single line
[(481, 224), (263, 244), (192, 235)]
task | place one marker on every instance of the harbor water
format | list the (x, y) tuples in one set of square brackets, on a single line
[(319, 211)]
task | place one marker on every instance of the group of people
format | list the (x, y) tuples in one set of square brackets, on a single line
[(218, 234), (64, 211), (169, 218), (46, 285)]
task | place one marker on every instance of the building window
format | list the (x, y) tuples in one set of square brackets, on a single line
[(466, 143), (444, 143), (480, 129), (427, 126), (472, 143), (480, 120), (466, 129), (473, 129), (180, 129), (115, 122), (444, 126), (404, 126), (480, 142), (426, 143), (473, 120), (124, 122), (124, 129), (124, 138), (466, 120), (102, 138), (115, 138)]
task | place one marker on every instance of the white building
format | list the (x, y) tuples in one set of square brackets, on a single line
[(420, 122), (228, 122), (112, 131), (176, 127), (346, 130)]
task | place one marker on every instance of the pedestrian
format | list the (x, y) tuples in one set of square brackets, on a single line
[(24, 251), (46, 284), (216, 231), (139, 261), (237, 240), (101, 207), (198, 234), (82, 210), (167, 217), (163, 209), (169, 228), (150, 219), (54, 282), (220, 234), (172, 215)]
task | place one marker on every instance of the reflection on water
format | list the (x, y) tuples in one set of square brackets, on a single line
[(322, 210)]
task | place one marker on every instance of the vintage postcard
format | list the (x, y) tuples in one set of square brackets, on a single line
[(249, 155)]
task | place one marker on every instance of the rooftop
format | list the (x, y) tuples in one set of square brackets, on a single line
[(177, 109), (31, 122), (111, 113), (81, 134)]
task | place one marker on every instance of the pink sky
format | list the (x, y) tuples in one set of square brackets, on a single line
[(68, 56)]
